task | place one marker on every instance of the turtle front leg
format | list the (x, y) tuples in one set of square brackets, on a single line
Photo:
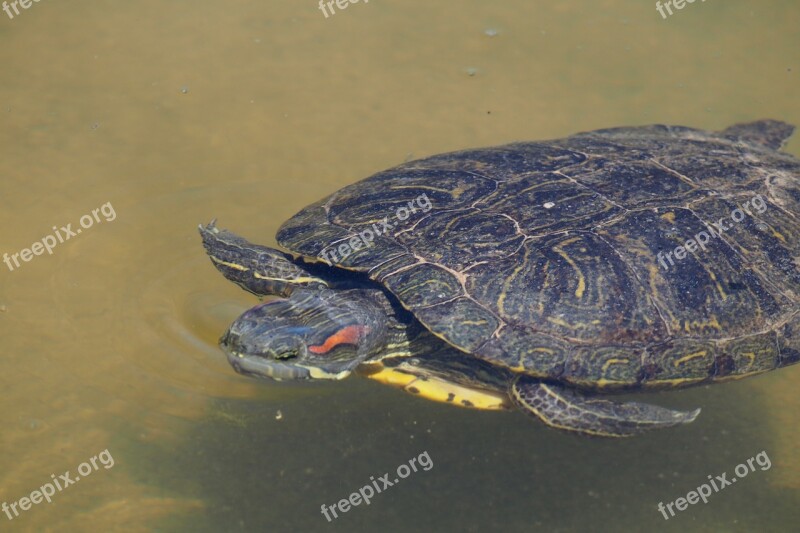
[(568, 409), (258, 269)]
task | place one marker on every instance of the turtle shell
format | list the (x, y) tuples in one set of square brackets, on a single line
[(568, 259)]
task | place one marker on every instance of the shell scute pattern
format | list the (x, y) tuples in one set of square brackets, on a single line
[(544, 257)]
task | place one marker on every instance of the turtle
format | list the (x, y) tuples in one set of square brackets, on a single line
[(548, 276)]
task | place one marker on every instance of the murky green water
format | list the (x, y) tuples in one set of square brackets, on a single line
[(177, 112)]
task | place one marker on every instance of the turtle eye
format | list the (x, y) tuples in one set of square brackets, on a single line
[(286, 348), (289, 354)]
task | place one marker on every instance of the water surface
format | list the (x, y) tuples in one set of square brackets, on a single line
[(177, 112)]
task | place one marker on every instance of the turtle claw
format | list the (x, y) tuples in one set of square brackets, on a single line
[(568, 409)]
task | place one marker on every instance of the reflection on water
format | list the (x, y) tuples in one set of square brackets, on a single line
[(177, 113)]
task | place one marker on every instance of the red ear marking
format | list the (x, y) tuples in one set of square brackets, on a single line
[(346, 335)]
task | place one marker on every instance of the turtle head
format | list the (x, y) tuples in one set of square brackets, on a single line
[(312, 334)]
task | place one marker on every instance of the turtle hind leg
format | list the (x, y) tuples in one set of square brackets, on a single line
[(770, 133), (568, 409)]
